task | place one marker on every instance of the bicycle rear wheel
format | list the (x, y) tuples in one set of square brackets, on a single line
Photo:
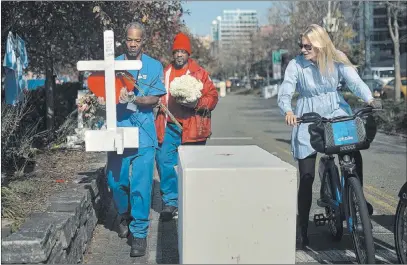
[(359, 222), (400, 232)]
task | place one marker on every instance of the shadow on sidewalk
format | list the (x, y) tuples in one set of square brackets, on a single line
[(167, 235), (386, 221), (167, 243), (324, 249)]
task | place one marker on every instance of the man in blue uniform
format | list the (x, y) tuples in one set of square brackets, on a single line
[(130, 175)]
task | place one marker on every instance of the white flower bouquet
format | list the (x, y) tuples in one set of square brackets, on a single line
[(186, 89)]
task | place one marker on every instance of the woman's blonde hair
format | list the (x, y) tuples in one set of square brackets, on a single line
[(327, 54)]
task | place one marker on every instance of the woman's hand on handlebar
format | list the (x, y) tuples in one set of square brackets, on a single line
[(375, 103), (290, 118)]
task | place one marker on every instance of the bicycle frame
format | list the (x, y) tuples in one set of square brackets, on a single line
[(329, 165), (347, 169)]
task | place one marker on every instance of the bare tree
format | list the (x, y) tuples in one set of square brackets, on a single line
[(290, 19), (40, 24), (235, 57), (394, 10)]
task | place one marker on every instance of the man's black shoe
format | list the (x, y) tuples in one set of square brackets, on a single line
[(124, 227), (168, 213), (138, 247)]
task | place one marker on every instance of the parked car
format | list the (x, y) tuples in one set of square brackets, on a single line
[(237, 83), (388, 89), (257, 82), (375, 85), (384, 74)]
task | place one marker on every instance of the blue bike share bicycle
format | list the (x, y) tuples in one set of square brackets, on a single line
[(342, 197), (400, 226)]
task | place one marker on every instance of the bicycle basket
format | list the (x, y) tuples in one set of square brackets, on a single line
[(342, 136)]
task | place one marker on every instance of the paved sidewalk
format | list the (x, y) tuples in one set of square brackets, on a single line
[(108, 248)]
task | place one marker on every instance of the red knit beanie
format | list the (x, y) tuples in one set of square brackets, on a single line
[(181, 42)]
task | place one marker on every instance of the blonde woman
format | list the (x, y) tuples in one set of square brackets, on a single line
[(315, 75)]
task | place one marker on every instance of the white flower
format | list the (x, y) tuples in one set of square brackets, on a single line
[(186, 89)]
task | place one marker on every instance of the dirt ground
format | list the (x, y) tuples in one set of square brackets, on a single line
[(54, 171)]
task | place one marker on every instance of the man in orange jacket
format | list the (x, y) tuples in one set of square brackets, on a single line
[(195, 119)]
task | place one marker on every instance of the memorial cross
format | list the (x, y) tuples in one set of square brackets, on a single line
[(113, 138)]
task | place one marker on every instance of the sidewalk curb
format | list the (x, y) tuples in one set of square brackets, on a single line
[(394, 134)]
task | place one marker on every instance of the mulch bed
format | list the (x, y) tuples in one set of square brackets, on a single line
[(54, 171)]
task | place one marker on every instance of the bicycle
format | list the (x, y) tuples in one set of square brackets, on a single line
[(400, 226), (343, 199)]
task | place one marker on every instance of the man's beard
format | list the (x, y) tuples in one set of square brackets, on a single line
[(133, 54), (178, 64)]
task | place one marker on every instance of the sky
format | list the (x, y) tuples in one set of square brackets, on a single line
[(202, 13)]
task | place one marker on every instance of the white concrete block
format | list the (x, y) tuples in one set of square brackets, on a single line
[(237, 204)]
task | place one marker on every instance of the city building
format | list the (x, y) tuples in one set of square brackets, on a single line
[(215, 28), (235, 27), (381, 44)]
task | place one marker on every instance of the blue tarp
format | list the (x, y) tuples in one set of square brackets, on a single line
[(15, 60), (33, 84)]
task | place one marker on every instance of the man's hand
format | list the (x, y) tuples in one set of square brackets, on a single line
[(290, 118), (191, 105), (124, 96), (146, 100), (376, 103)]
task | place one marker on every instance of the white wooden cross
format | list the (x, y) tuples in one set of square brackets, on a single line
[(114, 138)]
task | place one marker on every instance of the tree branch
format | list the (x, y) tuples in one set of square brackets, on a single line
[(389, 15), (396, 24)]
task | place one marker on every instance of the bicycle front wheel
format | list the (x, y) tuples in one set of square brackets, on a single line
[(335, 222), (400, 232), (359, 222)]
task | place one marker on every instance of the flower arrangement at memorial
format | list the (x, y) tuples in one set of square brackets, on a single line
[(93, 111), (186, 89)]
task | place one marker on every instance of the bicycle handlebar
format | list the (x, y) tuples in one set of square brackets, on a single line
[(315, 117)]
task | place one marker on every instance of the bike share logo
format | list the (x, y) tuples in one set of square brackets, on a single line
[(347, 148), (345, 138)]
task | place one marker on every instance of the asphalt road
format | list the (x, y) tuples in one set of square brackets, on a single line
[(249, 119)]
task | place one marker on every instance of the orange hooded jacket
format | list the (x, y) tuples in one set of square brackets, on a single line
[(196, 126)]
